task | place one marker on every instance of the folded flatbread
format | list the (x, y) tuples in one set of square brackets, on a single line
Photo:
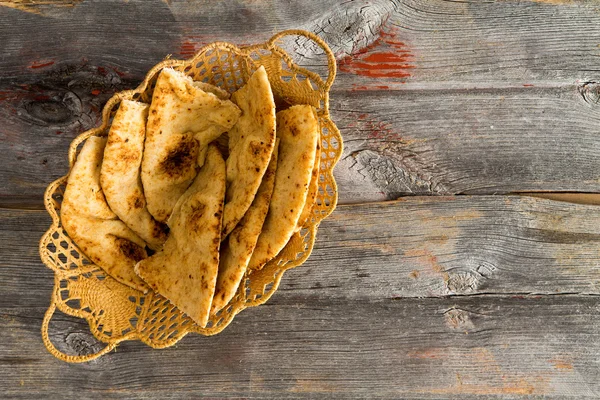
[(208, 88), (237, 249), (120, 174), (313, 189), (298, 133), (91, 224), (251, 142), (185, 270), (183, 119)]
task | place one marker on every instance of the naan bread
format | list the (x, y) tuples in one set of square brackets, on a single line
[(251, 142), (91, 224), (298, 132), (313, 188), (208, 88), (237, 249), (120, 174), (183, 119), (185, 270)]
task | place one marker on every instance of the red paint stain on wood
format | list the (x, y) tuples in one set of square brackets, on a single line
[(40, 64), (528, 85), (356, 87), (187, 49), (6, 95), (95, 92), (377, 129), (426, 354), (190, 45), (562, 363), (120, 73), (428, 259), (496, 380), (520, 387), (386, 57)]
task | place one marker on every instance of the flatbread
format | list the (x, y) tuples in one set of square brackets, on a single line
[(208, 88), (313, 189), (183, 119), (251, 142), (298, 132), (91, 224), (237, 249), (120, 174), (185, 270)]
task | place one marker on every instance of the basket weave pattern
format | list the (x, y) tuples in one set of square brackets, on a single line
[(116, 312)]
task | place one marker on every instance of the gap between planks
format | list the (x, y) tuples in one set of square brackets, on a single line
[(34, 203), (568, 197)]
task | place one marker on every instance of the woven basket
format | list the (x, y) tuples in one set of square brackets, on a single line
[(116, 312)]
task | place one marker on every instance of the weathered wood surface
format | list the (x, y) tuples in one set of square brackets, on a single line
[(374, 312), (499, 96), (459, 142), (428, 297), (416, 247), (460, 44), (418, 142), (297, 347)]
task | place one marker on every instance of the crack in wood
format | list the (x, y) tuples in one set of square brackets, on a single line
[(390, 175), (577, 198), (348, 28)]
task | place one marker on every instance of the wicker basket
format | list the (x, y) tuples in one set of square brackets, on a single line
[(116, 312)]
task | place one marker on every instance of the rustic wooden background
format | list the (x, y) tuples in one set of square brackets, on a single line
[(437, 276)]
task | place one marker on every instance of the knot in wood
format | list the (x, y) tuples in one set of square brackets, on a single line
[(82, 343), (57, 109), (463, 282), (459, 320), (590, 91)]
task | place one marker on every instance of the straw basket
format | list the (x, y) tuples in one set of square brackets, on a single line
[(115, 312)]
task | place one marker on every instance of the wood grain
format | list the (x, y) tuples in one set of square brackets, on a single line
[(466, 142), (396, 143), (457, 297), (417, 247), (295, 347), (465, 44), (500, 97), (459, 44), (525, 323)]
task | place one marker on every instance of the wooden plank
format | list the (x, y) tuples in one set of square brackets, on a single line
[(456, 44), (379, 43), (396, 143), (418, 247), (59, 69), (459, 142), (462, 347), (421, 247)]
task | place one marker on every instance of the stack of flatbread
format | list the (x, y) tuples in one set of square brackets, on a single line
[(191, 191)]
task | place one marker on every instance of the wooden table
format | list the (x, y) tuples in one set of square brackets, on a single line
[(436, 277)]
